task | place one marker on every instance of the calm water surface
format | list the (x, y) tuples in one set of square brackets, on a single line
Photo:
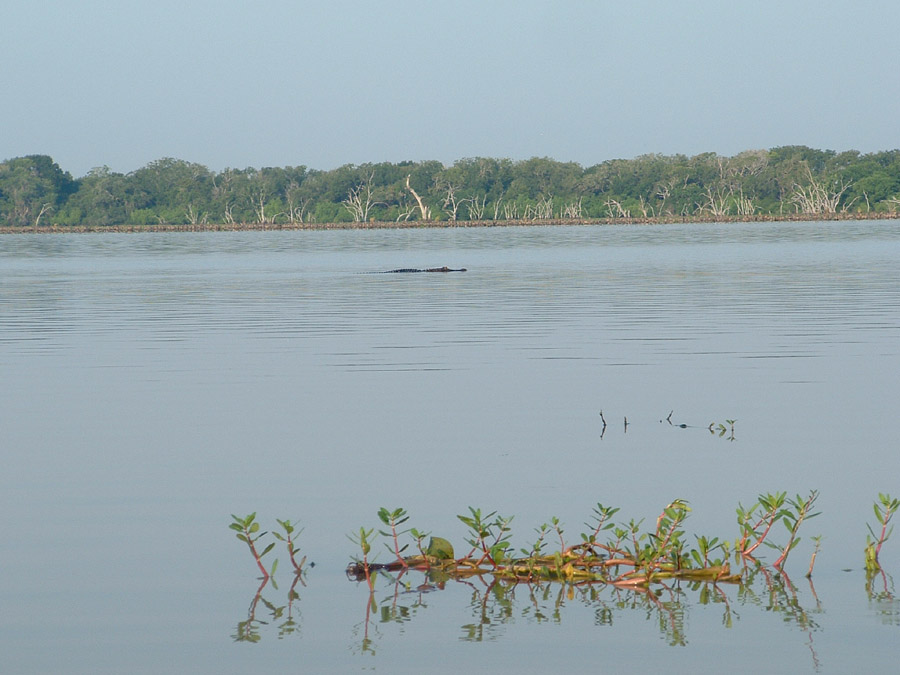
[(152, 385)]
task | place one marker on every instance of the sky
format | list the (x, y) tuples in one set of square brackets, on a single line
[(229, 83)]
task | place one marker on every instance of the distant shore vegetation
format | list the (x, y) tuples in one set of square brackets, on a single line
[(788, 182)]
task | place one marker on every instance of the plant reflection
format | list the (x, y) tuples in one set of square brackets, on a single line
[(284, 617), (400, 606), (494, 604), (882, 600)]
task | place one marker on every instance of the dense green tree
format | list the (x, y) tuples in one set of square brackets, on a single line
[(32, 188), (782, 180), (103, 198)]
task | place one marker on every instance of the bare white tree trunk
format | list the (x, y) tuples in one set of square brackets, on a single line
[(663, 192), (476, 208), (423, 209), (259, 206), (45, 208), (816, 197), (194, 218), (360, 200), (716, 203), (572, 211), (405, 212), (616, 210), (229, 217), (644, 206), (744, 204), (451, 202), (295, 211)]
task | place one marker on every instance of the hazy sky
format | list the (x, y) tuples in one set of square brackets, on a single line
[(287, 82)]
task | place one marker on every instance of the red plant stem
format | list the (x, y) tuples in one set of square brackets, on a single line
[(251, 613), (884, 523), (801, 516), (256, 556), (812, 563), (297, 567), (397, 546), (771, 520), (662, 546)]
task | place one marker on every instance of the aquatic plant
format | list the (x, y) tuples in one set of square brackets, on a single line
[(792, 518), (491, 537), (622, 554), (885, 508), (288, 539), (393, 519), (817, 542), (363, 540), (247, 530), (757, 521), (715, 427)]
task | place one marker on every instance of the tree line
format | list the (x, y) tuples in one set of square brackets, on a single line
[(779, 182)]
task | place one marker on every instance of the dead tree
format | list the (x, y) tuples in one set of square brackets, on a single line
[(229, 216), (194, 218), (644, 206), (360, 200), (744, 204), (295, 211), (816, 197), (259, 206), (451, 202), (616, 210), (497, 208), (717, 202), (45, 208), (476, 207), (572, 211), (424, 210), (405, 210), (544, 208)]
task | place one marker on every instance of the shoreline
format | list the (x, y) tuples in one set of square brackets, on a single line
[(428, 224)]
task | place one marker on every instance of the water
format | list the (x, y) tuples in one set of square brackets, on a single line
[(152, 385)]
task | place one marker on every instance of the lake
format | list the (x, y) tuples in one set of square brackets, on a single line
[(155, 384)]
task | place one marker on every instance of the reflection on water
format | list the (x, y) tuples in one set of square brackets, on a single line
[(284, 619), (494, 606), (883, 599)]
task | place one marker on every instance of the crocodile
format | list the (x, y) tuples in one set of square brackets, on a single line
[(407, 270)]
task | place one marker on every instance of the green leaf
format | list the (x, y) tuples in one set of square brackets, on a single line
[(243, 538), (267, 549), (440, 548), (236, 527)]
